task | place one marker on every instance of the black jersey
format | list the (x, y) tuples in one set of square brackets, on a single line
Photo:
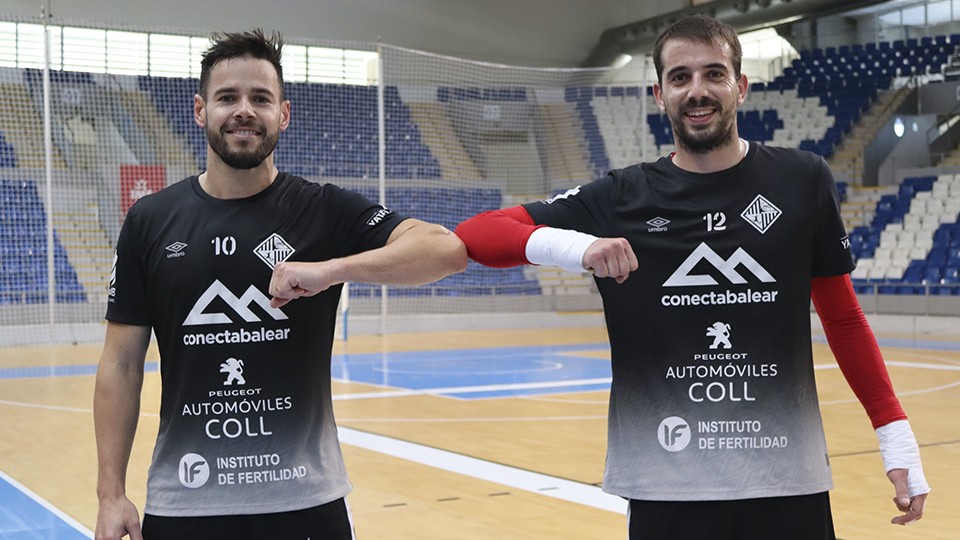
[(246, 418), (713, 393)]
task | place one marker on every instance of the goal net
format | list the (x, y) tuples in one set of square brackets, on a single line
[(95, 117)]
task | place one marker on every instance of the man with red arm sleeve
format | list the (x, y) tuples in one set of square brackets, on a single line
[(706, 261)]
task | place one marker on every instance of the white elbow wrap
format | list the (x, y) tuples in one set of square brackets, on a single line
[(899, 450), (558, 247)]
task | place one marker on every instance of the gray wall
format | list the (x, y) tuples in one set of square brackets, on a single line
[(941, 98), (910, 151)]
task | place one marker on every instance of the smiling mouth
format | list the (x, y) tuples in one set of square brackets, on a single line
[(699, 113)]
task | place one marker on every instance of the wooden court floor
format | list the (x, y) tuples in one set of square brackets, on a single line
[(47, 442)]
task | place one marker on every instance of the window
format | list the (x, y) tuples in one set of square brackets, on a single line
[(164, 55)]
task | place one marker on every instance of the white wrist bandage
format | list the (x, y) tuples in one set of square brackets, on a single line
[(899, 450), (558, 247)]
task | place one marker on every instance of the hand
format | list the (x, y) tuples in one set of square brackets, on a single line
[(292, 280), (117, 518), (611, 257), (912, 507)]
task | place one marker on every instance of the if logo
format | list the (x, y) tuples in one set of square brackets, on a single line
[(728, 267), (194, 471), (674, 434)]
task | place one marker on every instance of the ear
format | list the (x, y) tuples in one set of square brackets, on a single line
[(285, 115), (199, 111), (743, 86), (658, 96)]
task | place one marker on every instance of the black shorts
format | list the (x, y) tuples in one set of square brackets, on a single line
[(804, 517), (330, 521)]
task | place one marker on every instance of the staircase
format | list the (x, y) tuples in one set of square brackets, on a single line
[(847, 160), (88, 249), (563, 146), (443, 142)]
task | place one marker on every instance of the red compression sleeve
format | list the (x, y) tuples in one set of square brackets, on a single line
[(498, 238), (855, 347)]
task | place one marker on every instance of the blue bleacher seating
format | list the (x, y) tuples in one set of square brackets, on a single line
[(846, 79), (433, 204), (582, 99), (23, 250), (335, 132)]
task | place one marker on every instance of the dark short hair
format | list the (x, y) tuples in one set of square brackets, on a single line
[(228, 45), (699, 29)]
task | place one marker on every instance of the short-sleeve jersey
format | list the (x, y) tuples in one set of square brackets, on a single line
[(713, 394), (246, 417)]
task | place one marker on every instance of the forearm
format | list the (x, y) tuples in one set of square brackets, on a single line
[(498, 238), (855, 348), (116, 410), (861, 362), (508, 237), (416, 253), (421, 253)]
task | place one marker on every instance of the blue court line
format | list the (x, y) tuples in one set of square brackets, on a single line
[(44, 372), (505, 363), (25, 515), (512, 367)]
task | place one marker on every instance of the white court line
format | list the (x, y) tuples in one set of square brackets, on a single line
[(920, 365), (46, 504), (532, 482), (896, 363), (899, 394), (58, 408), (467, 389), (468, 420)]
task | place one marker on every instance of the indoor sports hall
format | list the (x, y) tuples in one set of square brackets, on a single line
[(474, 407)]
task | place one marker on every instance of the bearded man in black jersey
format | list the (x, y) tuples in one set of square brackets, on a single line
[(724, 241), (238, 272)]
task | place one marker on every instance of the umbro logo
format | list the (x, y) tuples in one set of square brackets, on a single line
[(239, 306), (761, 213), (176, 250), (683, 276), (658, 224)]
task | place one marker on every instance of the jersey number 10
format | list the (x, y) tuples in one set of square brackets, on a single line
[(224, 246)]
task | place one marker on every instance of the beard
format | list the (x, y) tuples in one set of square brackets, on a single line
[(245, 158), (708, 138)]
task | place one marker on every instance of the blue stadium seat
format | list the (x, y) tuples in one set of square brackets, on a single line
[(23, 248)]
